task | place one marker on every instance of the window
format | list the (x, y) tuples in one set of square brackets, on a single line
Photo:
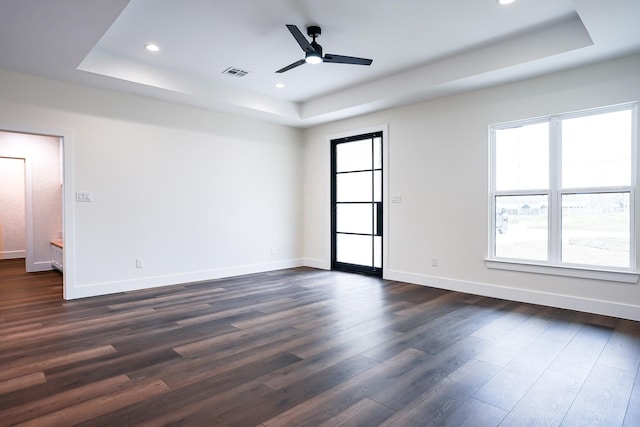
[(562, 190)]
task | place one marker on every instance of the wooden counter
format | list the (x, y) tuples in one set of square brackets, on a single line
[(56, 255)]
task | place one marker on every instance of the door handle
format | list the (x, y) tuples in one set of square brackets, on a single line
[(378, 218)]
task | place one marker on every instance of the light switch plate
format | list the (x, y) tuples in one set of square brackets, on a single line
[(84, 196)]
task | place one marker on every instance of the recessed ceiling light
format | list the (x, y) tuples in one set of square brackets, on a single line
[(280, 85), (503, 2), (151, 47)]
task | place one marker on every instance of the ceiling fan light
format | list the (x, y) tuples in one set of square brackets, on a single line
[(313, 58)]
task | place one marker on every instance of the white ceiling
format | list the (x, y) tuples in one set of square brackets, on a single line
[(420, 48)]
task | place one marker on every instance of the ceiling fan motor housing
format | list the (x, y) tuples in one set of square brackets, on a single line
[(314, 31)]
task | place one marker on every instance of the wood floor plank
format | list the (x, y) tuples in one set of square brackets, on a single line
[(89, 409), (445, 398), (474, 413), (507, 387), (367, 411), (21, 382), (331, 355), (513, 343), (298, 393), (603, 399), (183, 396), (623, 349), (583, 351), (333, 401), (428, 375), (306, 347), (59, 401), (18, 368), (632, 416), (547, 402)]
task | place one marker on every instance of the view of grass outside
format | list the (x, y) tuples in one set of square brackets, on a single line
[(599, 232), (525, 235), (595, 231)]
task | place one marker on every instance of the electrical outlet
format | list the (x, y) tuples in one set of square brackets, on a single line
[(273, 251), (139, 263), (434, 261)]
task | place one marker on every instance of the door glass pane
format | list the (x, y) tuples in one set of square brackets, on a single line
[(377, 252), (354, 218), (353, 156), (353, 187), (522, 157), (521, 227), (354, 249), (596, 229), (596, 150), (377, 186), (377, 153)]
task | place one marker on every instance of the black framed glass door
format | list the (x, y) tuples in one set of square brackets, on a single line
[(356, 207)]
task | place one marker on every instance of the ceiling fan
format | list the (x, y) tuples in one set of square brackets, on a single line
[(313, 51)]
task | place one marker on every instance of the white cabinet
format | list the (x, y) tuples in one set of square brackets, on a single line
[(56, 256)]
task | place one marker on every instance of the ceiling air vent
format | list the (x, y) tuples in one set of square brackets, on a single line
[(236, 72)]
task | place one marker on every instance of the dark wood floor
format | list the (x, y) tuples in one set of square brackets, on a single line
[(304, 347)]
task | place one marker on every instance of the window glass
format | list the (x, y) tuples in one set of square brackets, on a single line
[(354, 218), (521, 227), (596, 150), (562, 189), (353, 156), (377, 187), (354, 187), (596, 229), (377, 251), (377, 153), (354, 249), (522, 157)]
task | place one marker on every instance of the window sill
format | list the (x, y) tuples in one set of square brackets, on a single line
[(582, 273)]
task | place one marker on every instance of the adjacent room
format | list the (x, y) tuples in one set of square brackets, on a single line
[(319, 213)]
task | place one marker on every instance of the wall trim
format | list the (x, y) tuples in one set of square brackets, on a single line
[(105, 288), (321, 264), (607, 308), (12, 254), (41, 266)]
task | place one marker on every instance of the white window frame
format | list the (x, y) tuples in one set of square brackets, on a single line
[(553, 265)]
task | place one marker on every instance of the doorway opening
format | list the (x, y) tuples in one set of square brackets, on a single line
[(32, 197), (357, 204)]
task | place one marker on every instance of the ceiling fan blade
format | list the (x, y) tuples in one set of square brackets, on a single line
[(340, 59), (290, 66), (301, 39)]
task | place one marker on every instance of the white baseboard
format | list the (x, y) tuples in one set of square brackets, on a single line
[(12, 254), (607, 308), (39, 266), (316, 263), (104, 288)]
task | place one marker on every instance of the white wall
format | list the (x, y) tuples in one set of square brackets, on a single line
[(438, 161), (40, 156), (196, 194)]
